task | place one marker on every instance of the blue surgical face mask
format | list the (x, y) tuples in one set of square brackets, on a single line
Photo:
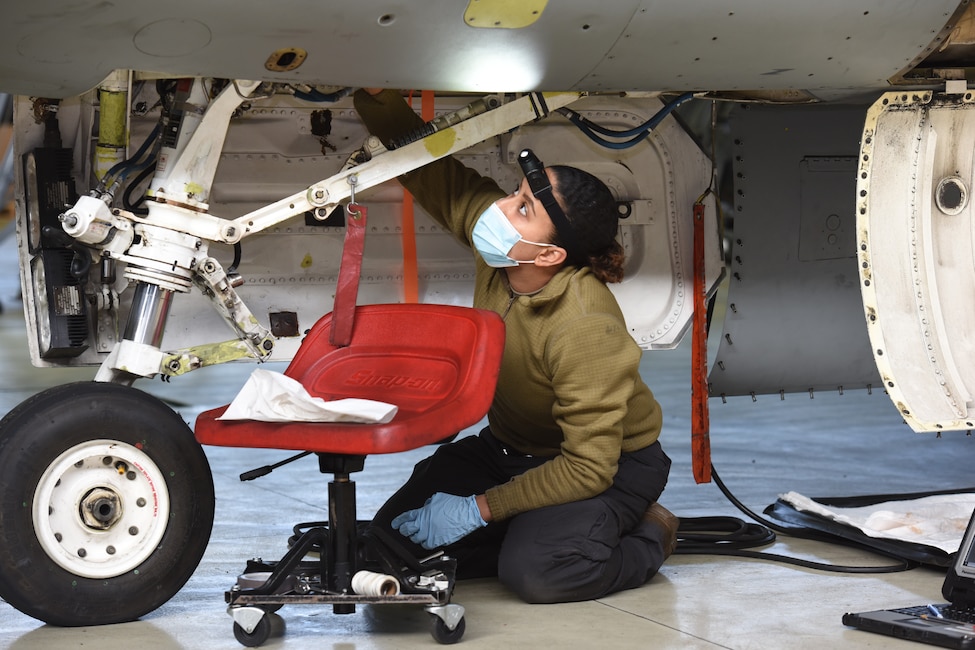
[(494, 237)]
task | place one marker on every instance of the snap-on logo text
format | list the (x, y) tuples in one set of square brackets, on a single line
[(370, 378)]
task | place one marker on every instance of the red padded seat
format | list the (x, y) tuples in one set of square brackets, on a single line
[(437, 363)]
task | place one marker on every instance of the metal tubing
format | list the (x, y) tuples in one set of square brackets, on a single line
[(342, 529)]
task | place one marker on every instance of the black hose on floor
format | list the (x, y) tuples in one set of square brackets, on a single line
[(732, 536)]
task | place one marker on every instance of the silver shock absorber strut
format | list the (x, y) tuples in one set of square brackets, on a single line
[(147, 316), (138, 353)]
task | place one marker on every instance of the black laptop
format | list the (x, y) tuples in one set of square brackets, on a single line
[(951, 624)]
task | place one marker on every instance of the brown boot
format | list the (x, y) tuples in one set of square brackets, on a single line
[(664, 519)]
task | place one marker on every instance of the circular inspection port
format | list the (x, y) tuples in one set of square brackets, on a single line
[(951, 196)]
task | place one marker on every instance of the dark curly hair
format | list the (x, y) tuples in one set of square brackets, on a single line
[(592, 213)]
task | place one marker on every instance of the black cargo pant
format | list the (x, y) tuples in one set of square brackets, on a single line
[(570, 552)]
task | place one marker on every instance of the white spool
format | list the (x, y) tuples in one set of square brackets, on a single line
[(368, 583)]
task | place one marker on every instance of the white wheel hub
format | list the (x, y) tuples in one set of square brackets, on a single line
[(101, 508)]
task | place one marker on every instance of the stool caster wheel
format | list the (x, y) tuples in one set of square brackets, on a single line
[(255, 637), (443, 634)]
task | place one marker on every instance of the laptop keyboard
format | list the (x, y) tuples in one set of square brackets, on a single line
[(962, 614)]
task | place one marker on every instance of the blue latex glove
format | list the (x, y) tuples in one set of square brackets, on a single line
[(442, 520)]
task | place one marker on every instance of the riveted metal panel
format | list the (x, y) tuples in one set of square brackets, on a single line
[(831, 48), (794, 321), (916, 247)]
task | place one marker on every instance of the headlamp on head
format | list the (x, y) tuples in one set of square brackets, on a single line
[(541, 189)]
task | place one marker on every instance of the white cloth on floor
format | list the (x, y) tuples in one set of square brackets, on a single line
[(938, 520), (272, 397)]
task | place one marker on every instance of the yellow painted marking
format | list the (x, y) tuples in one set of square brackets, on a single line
[(503, 14), (440, 142)]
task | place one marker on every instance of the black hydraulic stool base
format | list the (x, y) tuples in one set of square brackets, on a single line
[(265, 587)]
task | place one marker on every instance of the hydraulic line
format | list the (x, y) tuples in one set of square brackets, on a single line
[(637, 134), (135, 205), (120, 171)]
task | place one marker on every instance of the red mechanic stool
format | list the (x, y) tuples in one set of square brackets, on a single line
[(438, 364)]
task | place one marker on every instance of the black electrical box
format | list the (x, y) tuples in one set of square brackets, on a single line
[(60, 304), (62, 314), (50, 190)]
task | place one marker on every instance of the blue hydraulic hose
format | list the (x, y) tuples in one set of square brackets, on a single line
[(636, 134)]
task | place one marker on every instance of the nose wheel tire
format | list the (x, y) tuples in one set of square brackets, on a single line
[(106, 504)]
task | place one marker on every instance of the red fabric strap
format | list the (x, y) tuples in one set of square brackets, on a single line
[(700, 419), (347, 287)]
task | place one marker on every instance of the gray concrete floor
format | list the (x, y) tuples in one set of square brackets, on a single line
[(833, 445)]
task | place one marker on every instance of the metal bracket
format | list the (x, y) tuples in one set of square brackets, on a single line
[(212, 281), (180, 362), (246, 617), (450, 614), (324, 196)]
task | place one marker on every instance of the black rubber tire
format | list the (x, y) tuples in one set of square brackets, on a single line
[(32, 438), (442, 634)]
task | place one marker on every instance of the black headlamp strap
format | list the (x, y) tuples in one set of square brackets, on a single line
[(541, 188)]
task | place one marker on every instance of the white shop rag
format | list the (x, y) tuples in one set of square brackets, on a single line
[(938, 520), (272, 397)]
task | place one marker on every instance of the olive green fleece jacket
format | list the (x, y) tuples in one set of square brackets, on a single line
[(569, 386)]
